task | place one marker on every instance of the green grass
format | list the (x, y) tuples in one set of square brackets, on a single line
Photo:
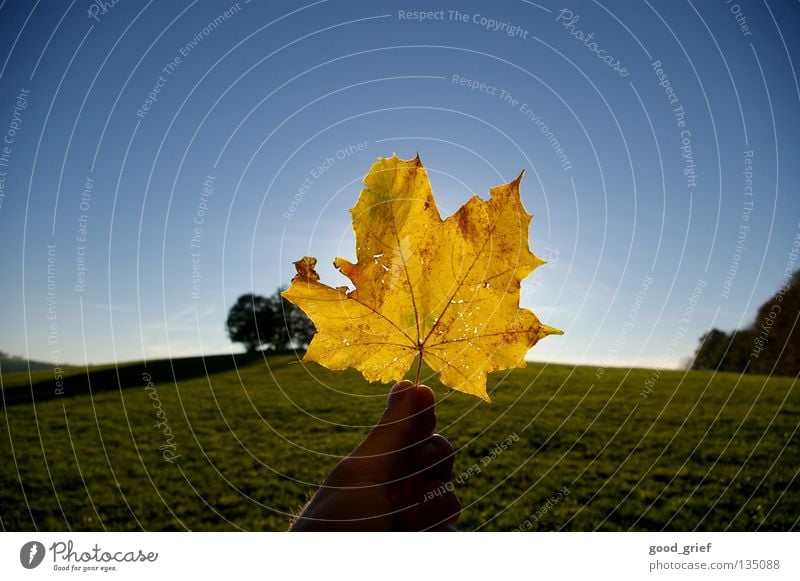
[(706, 451), (19, 378)]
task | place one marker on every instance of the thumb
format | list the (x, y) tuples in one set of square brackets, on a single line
[(409, 419)]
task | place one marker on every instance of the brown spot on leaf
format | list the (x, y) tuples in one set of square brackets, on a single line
[(305, 269)]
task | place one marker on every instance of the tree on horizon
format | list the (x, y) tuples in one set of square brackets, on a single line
[(769, 345), (268, 323)]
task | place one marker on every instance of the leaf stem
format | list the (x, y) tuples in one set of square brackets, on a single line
[(419, 368)]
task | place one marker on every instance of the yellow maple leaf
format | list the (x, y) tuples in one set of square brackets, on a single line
[(443, 291)]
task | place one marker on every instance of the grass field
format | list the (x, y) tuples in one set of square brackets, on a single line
[(703, 451)]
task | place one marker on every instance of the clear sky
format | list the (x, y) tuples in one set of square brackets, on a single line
[(162, 158)]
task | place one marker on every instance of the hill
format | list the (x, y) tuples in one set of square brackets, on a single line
[(14, 364), (242, 447)]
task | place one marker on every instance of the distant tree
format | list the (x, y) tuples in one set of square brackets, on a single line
[(251, 321), (268, 323), (711, 350), (775, 333), (737, 355), (771, 344)]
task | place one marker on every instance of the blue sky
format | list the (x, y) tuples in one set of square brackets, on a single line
[(255, 126)]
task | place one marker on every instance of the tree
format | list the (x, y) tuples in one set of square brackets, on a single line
[(771, 344), (268, 323), (738, 353), (250, 321), (776, 329), (711, 350)]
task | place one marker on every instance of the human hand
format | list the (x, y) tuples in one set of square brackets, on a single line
[(395, 479)]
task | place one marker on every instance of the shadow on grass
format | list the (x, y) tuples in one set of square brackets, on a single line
[(125, 375)]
